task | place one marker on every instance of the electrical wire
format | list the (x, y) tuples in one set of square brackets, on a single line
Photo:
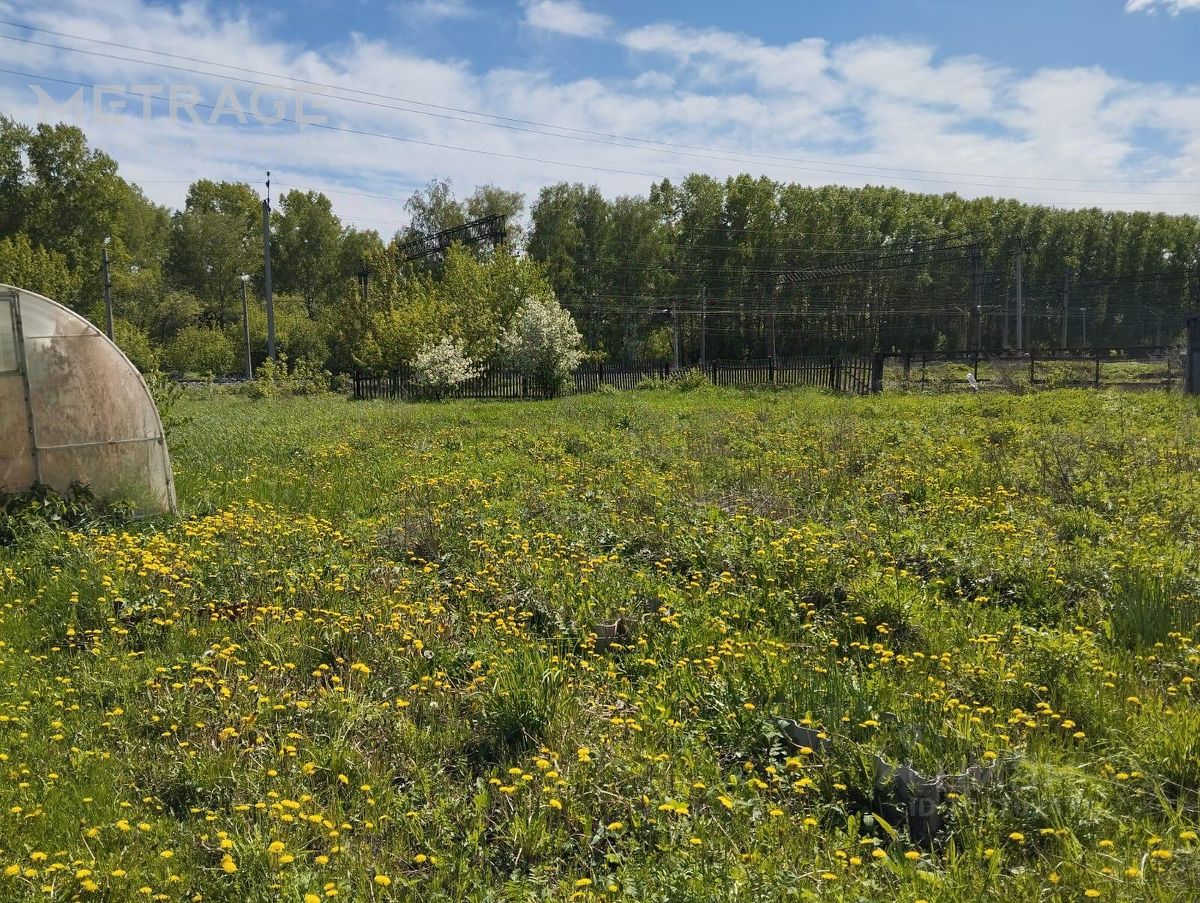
[(844, 171), (542, 125)]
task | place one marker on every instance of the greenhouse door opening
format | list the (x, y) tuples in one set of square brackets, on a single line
[(74, 409)]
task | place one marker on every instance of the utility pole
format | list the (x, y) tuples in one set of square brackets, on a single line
[(703, 322), (266, 205), (774, 305), (1192, 373), (977, 293), (245, 277), (1020, 299), (675, 335), (1066, 317), (108, 308)]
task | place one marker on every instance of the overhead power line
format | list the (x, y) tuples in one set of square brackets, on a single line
[(620, 141), (366, 133)]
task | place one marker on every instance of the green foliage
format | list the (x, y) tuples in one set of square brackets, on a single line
[(136, 345), (656, 345), (199, 350), (168, 394), (36, 269), (214, 240), (63, 195), (727, 238), (275, 380), (40, 507), (472, 300), (307, 245)]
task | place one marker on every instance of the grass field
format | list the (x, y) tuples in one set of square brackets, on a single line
[(512, 651)]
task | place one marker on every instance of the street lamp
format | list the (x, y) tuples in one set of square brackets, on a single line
[(245, 277), (108, 305)]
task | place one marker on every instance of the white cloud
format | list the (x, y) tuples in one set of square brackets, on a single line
[(422, 11), (1173, 7), (907, 71), (566, 17), (719, 57), (877, 110)]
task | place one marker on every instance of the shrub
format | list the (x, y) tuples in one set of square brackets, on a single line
[(543, 343), (274, 379), (136, 345), (198, 349), (40, 507), (442, 367), (689, 380)]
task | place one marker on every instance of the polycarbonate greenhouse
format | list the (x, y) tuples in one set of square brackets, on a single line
[(73, 408)]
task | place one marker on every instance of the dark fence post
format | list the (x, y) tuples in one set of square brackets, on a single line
[(1191, 383), (1097, 381), (877, 373), (1032, 359), (714, 373), (771, 370)]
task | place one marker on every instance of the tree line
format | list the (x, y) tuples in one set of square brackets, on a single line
[(728, 268)]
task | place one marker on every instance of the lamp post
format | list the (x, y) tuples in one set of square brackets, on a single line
[(245, 277), (108, 306)]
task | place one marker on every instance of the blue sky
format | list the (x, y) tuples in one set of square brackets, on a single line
[(1077, 102)]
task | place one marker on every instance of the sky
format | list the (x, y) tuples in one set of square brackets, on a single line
[(1063, 102)]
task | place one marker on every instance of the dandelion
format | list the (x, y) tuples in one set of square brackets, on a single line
[(383, 880), (228, 865)]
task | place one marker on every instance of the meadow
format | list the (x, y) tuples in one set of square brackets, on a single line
[(642, 646)]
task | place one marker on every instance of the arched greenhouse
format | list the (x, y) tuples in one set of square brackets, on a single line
[(73, 408)]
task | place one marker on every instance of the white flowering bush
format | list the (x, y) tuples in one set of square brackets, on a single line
[(543, 343), (441, 367)]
